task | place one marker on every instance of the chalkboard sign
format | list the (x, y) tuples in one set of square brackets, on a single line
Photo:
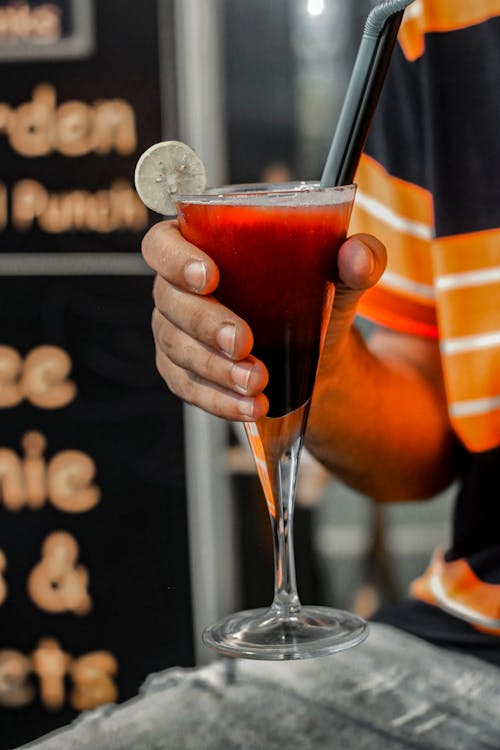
[(94, 582)]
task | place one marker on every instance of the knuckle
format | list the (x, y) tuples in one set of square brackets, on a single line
[(190, 390), (198, 320), (219, 405), (211, 362), (166, 341), (187, 356)]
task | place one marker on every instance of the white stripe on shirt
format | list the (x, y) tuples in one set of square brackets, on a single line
[(470, 343), (393, 219), (395, 281), (474, 407), (479, 277)]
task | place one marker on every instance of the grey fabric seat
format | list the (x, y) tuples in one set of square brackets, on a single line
[(394, 691)]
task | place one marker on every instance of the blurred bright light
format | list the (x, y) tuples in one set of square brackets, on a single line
[(315, 7)]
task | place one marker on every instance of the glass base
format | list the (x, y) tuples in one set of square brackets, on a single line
[(269, 634)]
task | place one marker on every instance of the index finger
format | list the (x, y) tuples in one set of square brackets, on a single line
[(178, 261)]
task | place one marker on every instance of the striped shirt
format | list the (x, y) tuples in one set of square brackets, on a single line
[(429, 188)]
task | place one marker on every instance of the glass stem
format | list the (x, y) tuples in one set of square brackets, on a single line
[(276, 443), (286, 599)]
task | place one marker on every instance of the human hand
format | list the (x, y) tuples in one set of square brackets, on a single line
[(203, 350)]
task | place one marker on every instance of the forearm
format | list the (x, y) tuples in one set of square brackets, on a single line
[(379, 420)]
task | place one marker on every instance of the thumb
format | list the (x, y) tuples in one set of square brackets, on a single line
[(361, 262)]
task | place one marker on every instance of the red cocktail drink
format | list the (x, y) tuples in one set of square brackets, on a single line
[(276, 259), (276, 250)]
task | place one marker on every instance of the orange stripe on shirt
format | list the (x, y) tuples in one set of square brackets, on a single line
[(472, 381), (397, 204), (405, 198), (467, 252), (427, 16), (468, 279), (408, 257), (473, 374), (482, 303), (400, 214)]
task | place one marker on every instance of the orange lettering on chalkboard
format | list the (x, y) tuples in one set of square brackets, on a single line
[(57, 583), (66, 480), (93, 683), (3, 585), (11, 367), (41, 379), (11, 480), (51, 664), (118, 208), (44, 381), (40, 127), (3, 207), (92, 676), (15, 688), (21, 22)]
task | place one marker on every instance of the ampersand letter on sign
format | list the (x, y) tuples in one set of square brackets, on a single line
[(57, 583)]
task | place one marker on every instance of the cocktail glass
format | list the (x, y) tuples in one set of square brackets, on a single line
[(276, 249)]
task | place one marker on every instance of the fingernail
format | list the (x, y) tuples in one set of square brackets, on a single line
[(195, 274), (225, 339), (245, 407), (371, 263), (241, 375), (364, 263)]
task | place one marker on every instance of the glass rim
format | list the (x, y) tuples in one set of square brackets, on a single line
[(248, 192)]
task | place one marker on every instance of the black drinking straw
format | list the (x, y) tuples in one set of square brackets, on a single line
[(365, 85)]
